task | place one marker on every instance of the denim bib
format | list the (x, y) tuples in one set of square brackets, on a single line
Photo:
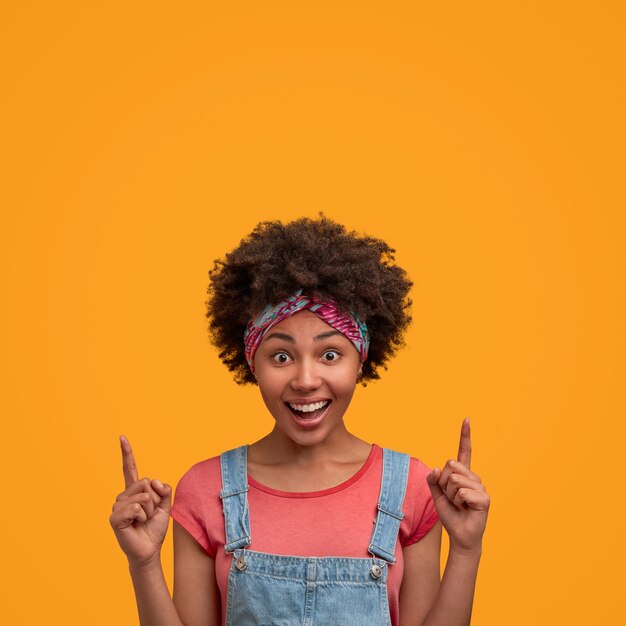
[(275, 590)]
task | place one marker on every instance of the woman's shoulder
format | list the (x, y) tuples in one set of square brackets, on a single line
[(197, 491), (205, 473), (417, 490), (417, 468), (418, 507), (197, 505)]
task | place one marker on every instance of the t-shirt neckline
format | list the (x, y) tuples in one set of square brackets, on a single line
[(324, 492)]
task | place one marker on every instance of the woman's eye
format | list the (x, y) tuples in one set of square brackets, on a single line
[(281, 357), (331, 355)]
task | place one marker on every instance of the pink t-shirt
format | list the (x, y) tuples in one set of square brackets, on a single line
[(333, 522)]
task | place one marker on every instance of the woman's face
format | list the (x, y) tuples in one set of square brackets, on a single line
[(307, 371)]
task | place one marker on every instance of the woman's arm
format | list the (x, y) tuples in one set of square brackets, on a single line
[(426, 602), (154, 604), (140, 519), (462, 504), (196, 594), (420, 581), (453, 605)]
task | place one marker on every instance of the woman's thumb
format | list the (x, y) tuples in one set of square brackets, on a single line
[(433, 482), (165, 491)]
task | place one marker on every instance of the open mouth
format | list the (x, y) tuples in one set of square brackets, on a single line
[(308, 411)]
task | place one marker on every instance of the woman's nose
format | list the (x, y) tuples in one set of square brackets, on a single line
[(306, 376)]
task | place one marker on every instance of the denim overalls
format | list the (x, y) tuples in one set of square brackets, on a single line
[(275, 590)]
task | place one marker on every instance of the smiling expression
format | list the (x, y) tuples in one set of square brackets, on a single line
[(307, 371)]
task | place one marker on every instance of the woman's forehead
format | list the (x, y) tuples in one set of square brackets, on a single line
[(303, 322)]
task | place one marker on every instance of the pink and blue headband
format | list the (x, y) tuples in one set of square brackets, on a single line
[(349, 325)]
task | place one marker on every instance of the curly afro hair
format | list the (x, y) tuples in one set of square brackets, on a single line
[(324, 260)]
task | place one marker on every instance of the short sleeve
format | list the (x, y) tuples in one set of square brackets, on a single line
[(188, 511), (419, 503)]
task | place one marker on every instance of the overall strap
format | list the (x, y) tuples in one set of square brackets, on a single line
[(390, 500), (234, 496)]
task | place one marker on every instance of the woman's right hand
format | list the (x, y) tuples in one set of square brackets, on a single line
[(141, 513)]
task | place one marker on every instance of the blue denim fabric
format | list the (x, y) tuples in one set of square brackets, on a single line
[(276, 590)]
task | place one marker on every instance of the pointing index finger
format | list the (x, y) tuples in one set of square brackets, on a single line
[(465, 444), (128, 463)]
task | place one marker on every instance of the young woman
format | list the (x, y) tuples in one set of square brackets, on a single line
[(310, 524)]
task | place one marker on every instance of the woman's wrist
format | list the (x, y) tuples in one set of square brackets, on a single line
[(465, 553), (153, 564)]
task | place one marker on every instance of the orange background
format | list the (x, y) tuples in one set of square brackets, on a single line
[(484, 141)]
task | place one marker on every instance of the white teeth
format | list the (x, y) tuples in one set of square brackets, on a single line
[(307, 408)]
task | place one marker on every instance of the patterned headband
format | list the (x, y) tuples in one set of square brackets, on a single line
[(349, 325)]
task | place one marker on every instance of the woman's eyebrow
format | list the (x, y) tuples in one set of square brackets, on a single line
[(281, 336), (330, 333)]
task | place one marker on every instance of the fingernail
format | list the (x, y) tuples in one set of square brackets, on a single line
[(159, 484)]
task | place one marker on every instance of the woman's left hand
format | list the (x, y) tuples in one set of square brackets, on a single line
[(461, 500)]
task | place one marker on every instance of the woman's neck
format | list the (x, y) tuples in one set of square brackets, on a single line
[(278, 462), (278, 448)]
